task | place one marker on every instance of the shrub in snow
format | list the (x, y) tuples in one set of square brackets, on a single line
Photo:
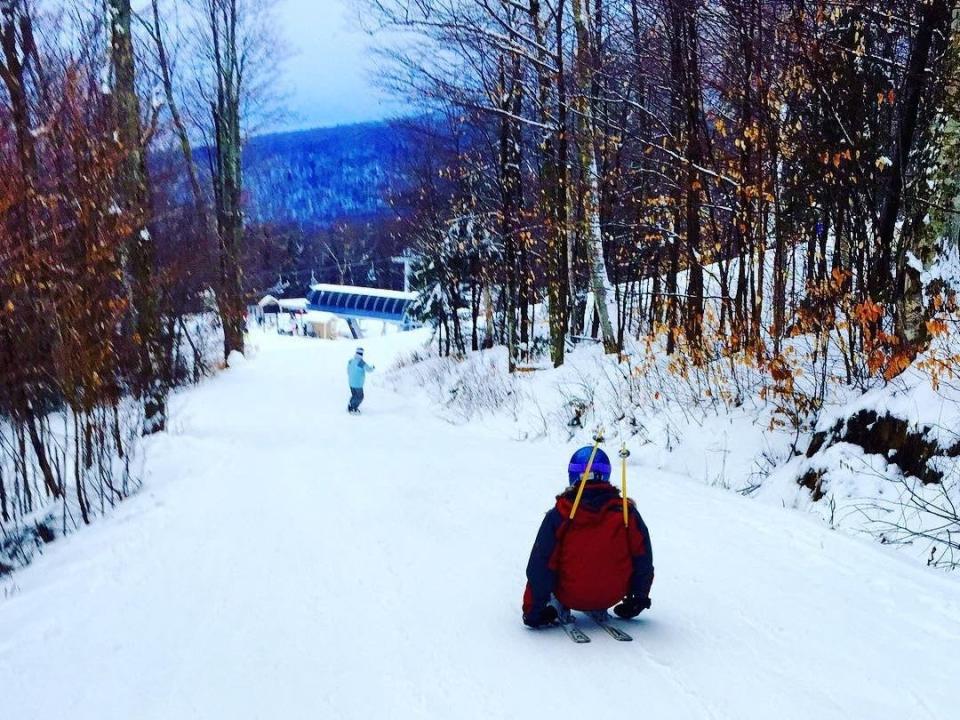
[(81, 466), (476, 386)]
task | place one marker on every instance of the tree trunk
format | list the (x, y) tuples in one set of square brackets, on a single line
[(40, 451), (16, 40), (228, 177), (489, 336), (686, 28), (474, 315), (135, 199), (552, 196), (910, 317), (509, 160), (587, 141)]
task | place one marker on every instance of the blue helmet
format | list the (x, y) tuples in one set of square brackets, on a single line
[(600, 470)]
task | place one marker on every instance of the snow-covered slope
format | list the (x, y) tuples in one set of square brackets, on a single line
[(286, 560)]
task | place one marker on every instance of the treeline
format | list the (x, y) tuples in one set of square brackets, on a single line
[(105, 266), (723, 174), (317, 178), (284, 259)]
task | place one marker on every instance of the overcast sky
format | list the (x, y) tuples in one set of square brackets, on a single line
[(328, 77)]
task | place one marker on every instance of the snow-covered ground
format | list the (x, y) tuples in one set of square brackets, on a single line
[(286, 560)]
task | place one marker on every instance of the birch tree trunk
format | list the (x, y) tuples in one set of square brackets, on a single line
[(586, 140)]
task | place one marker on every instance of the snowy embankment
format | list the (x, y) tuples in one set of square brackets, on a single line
[(882, 463), (287, 560)]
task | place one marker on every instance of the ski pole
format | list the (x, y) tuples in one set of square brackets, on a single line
[(597, 439), (624, 454)]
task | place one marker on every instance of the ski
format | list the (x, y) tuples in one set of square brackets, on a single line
[(603, 619), (573, 632)]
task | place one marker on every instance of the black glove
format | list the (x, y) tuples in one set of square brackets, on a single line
[(631, 607), (541, 618)]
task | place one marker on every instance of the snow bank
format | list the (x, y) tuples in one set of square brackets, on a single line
[(725, 426)]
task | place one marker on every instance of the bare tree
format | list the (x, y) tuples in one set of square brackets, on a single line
[(228, 66), (140, 255), (164, 61)]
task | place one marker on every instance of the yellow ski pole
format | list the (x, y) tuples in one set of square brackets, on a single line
[(597, 439), (624, 454)]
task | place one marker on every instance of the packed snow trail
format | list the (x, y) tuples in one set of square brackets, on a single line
[(286, 560)]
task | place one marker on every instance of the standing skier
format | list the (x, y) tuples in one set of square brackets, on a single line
[(357, 370), (596, 559)]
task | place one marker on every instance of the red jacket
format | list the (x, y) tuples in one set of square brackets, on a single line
[(593, 561)]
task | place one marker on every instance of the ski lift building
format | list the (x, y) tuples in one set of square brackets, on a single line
[(362, 303)]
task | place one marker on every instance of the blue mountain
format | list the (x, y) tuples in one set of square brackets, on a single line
[(314, 177)]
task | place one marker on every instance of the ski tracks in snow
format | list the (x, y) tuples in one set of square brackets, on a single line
[(287, 560)]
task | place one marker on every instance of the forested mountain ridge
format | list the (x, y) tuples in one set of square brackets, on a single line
[(313, 177)]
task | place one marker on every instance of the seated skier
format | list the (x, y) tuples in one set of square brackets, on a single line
[(593, 561)]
